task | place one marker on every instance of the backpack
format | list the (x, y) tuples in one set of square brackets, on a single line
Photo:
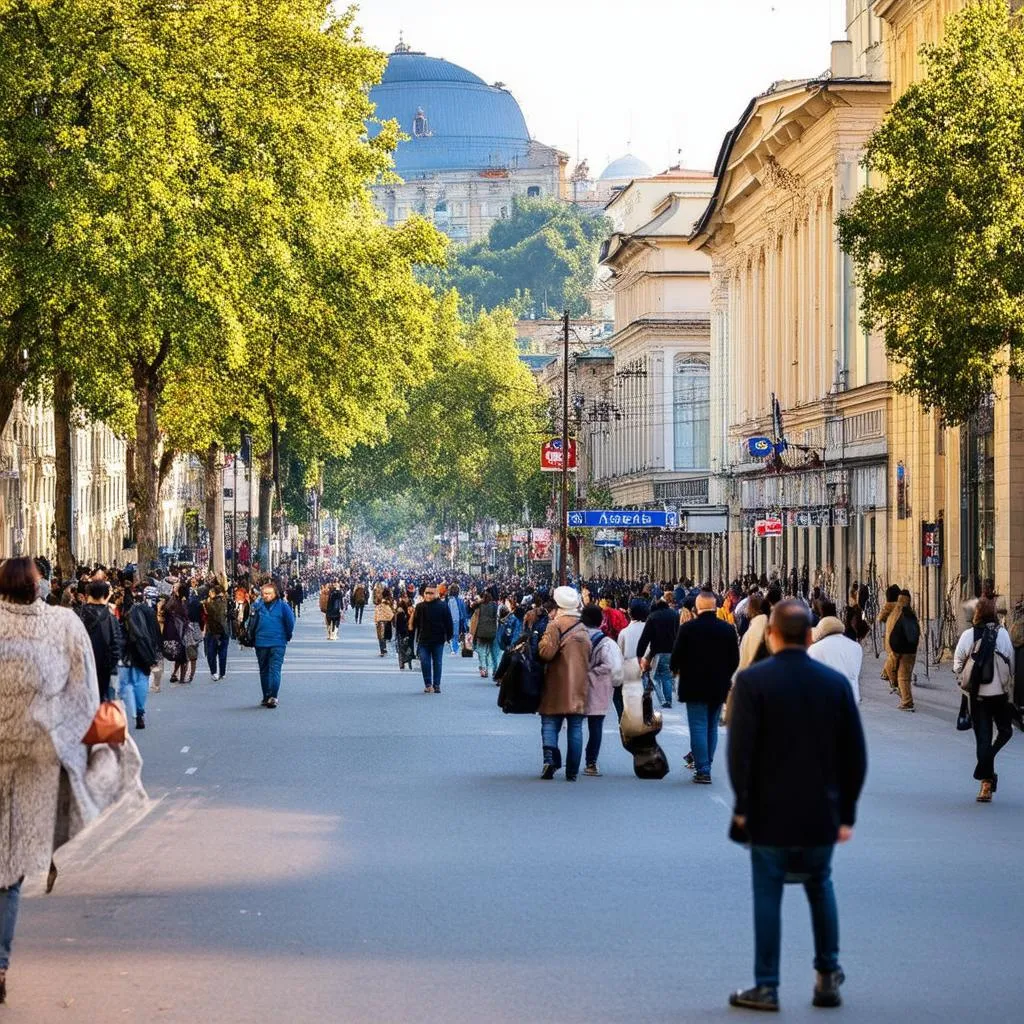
[(983, 659), (906, 634)]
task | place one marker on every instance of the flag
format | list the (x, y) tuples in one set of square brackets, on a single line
[(760, 447), (780, 434)]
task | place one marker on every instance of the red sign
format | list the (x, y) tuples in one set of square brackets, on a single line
[(768, 527), (551, 456)]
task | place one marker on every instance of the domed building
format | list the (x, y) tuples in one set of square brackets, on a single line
[(625, 169), (468, 151)]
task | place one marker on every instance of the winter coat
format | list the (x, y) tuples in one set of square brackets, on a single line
[(752, 640), (1002, 665), (275, 623), (888, 617), (216, 609), (49, 698), (627, 642), (432, 623), (705, 657), (105, 636), (486, 619), (659, 635), (903, 607), (142, 638), (839, 652), (565, 647), (604, 674)]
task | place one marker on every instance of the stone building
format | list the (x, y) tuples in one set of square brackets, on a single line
[(786, 325), (468, 153), (657, 453)]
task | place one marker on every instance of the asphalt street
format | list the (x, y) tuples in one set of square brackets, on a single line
[(369, 853)]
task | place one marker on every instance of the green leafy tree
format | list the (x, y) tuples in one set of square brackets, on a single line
[(938, 242), (541, 259)]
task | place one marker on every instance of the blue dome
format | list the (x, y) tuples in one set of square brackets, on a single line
[(456, 122), (627, 166)]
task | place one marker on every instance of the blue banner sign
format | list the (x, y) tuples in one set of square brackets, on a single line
[(623, 519)]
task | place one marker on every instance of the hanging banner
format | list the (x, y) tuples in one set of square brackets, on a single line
[(551, 456), (768, 527), (541, 548), (931, 544)]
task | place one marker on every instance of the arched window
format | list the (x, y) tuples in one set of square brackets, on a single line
[(692, 413), (533, 192)]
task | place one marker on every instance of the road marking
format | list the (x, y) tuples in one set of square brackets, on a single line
[(722, 801), (192, 770), (185, 750)]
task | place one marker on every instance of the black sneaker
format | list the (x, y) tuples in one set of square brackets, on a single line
[(549, 772), (570, 778), (826, 991), (702, 779), (437, 689), (760, 997), (263, 703), (140, 721)]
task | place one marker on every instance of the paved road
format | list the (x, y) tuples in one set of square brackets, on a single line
[(367, 853)]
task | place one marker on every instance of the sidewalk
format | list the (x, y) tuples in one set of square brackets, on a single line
[(935, 692)]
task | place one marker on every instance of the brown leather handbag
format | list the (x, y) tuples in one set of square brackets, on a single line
[(109, 725)]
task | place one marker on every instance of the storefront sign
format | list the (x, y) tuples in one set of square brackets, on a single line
[(768, 528), (931, 544)]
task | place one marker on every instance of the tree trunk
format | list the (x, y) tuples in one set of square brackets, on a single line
[(266, 503), (63, 438), (145, 479), (213, 465)]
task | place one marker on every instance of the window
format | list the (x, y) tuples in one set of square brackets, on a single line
[(692, 413), (504, 213), (533, 192)]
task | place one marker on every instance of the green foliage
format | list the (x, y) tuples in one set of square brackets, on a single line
[(939, 243), (541, 260)]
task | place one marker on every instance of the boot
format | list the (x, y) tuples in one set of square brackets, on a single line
[(985, 793), (552, 762), (826, 991), (140, 720)]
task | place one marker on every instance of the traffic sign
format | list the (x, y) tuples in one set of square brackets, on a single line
[(622, 519), (551, 456)]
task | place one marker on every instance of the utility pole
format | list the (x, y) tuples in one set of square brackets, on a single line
[(234, 516), (563, 543)]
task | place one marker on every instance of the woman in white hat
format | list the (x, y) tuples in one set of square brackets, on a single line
[(565, 647)]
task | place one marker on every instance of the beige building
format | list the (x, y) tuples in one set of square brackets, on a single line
[(786, 325), (657, 451)]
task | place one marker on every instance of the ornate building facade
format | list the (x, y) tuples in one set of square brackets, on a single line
[(468, 151), (785, 325)]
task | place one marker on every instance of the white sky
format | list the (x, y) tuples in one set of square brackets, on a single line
[(661, 75)]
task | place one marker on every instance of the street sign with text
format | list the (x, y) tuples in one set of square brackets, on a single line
[(768, 528), (551, 456), (622, 518)]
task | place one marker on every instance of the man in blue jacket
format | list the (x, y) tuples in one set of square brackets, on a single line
[(273, 630), (797, 762)]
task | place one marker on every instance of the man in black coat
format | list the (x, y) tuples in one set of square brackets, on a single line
[(797, 761), (654, 649), (705, 656)]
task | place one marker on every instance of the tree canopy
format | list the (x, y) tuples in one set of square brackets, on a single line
[(938, 240), (540, 260)]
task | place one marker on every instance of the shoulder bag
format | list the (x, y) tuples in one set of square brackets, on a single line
[(108, 726)]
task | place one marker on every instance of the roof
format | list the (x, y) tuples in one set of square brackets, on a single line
[(627, 166), (467, 125), (537, 361), (600, 352)]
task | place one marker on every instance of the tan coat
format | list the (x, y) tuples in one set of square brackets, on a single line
[(565, 646)]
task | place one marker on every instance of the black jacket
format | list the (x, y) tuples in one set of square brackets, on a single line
[(659, 633), (797, 757), (705, 657), (142, 638), (432, 622), (105, 636)]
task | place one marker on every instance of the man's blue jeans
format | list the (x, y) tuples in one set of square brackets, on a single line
[(216, 652), (132, 688), (431, 663), (703, 719), (550, 727), (485, 654), (811, 865), (661, 673), (270, 660), (9, 900)]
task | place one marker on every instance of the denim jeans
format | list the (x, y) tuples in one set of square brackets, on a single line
[(703, 719), (132, 688), (270, 660), (550, 727), (456, 645), (9, 900), (216, 653), (431, 663), (986, 713), (485, 654), (661, 673), (595, 732), (813, 865)]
